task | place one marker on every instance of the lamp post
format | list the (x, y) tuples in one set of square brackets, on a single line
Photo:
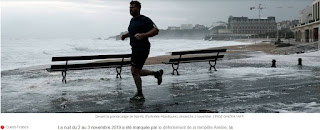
[(277, 34)]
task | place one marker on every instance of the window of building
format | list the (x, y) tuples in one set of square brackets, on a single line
[(314, 11), (318, 11)]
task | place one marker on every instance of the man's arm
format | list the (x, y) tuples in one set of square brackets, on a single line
[(124, 36), (151, 33)]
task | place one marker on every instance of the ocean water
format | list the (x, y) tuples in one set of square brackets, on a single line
[(20, 53)]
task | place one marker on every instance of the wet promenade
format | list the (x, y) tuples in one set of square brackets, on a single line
[(241, 85)]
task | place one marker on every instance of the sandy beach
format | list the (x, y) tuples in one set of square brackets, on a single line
[(266, 47)]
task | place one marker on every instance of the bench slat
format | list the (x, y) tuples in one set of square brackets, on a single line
[(198, 52), (190, 59), (89, 66), (90, 57), (176, 63)]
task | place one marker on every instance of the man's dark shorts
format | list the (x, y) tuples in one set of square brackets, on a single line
[(138, 58)]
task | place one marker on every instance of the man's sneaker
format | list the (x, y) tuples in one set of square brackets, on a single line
[(137, 97), (159, 77)]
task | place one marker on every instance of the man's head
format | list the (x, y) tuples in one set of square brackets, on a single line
[(135, 7)]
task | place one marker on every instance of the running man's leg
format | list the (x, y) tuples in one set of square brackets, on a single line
[(156, 74), (137, 78), (137, 73), (146, 72), (137, 61)]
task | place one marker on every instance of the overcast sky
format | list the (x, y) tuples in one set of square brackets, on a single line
[(104, 18)]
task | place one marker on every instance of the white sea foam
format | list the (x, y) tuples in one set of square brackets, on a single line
[(308, 59), (255, 73), (312, 107)]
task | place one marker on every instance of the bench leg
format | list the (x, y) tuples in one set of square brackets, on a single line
[(64, 77), (175, 69), (213, 66), (119, 69)]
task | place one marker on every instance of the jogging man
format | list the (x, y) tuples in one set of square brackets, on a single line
[(140, 29)]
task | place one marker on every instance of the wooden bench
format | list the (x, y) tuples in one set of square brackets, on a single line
[(116, 61), (195, 56)]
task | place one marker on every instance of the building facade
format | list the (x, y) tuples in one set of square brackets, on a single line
[(305, 15), (243, 25), (308, 28), (287, 24), (198, 26), (186, 26), (173, 28)]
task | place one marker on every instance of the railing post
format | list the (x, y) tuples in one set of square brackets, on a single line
[(300, 61), (273, 63)]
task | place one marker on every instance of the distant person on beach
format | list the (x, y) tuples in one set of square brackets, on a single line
[(140, 29)]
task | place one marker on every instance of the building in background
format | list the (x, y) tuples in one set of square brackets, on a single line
[(305, 15), (186, 26), (309, 22), (198, 26), (243, 25), (287, 24), (173, 28)]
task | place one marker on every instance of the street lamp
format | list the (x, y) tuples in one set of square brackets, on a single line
[(278, 28)]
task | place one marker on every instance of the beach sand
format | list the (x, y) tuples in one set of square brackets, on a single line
[(265, 47)]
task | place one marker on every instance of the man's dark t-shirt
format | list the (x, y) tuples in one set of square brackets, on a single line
[(142, 24)]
